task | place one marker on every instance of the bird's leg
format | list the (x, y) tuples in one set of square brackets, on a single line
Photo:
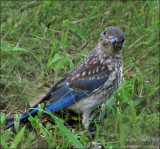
[(86, 119)]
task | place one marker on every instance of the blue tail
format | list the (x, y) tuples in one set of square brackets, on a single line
[(23, 117), (64, 98)]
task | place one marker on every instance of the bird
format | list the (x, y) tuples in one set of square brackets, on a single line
[(91, 83)]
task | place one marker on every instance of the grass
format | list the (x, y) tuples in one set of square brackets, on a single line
[(41, 41)]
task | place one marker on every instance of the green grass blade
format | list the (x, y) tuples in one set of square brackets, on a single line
[(76, 29), (17, 138), (3, 143), (63, 128)]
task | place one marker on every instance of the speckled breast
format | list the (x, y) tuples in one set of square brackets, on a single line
[(114, 81)]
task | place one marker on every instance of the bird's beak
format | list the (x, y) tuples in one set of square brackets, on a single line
[(106, 39), (110, 40)]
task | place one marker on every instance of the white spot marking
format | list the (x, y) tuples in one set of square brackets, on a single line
[(86, 62), (83, 74), (102, 60), (102, 68), (94, 62), (110, 68), (78, 75), (108, 61), (113, 73), (80, 65), (89, 72), (97, 70), (104, 55), (72, 78)]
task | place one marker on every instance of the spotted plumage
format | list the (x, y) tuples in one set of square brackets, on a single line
[(91, 83)]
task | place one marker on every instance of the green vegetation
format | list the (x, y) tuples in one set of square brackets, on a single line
[(41, 41)]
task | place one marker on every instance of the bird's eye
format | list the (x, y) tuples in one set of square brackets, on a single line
[(122, 40), (104, 33)]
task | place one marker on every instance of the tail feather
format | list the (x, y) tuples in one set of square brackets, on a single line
[(23, 117), (53, 107), (67, 98), (9, 125)]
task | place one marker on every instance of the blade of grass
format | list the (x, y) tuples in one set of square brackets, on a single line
[(63, 128), (3, 143), (17, 138), (76, 29)]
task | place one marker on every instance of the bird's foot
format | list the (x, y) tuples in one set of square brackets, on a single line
[(94, 145)]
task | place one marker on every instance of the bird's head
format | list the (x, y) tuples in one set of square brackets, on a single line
[(112, 40)]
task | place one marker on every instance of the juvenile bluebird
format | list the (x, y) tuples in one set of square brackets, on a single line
[(91, 83)]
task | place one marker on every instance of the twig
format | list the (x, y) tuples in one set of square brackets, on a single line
[(30, 5), (17, 45), (38, 37), (4, 64)]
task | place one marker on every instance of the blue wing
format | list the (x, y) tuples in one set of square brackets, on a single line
[(61, 98), (68, 90)]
